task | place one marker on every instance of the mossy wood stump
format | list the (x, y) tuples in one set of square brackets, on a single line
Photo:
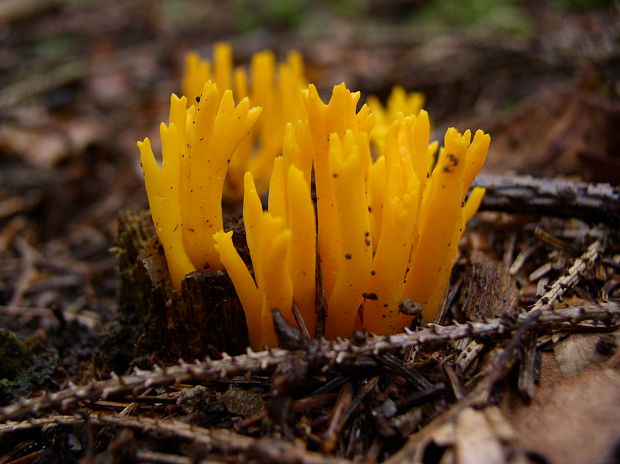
[(204, 319)]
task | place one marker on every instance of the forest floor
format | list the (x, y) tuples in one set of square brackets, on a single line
[(525, 364)]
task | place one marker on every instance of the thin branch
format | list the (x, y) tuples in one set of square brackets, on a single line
[(318, 353), (265, 450), (163, 458), (551, 197)]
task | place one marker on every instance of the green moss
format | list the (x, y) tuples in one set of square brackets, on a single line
[(23, 369), (14, 356), (502, 16), (253, 14), (579, 4)]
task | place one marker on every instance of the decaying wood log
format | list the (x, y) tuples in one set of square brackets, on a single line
[(204, 319), (488, 289)]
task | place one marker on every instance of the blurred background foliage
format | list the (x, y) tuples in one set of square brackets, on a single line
[(471, 58), (511, 16)]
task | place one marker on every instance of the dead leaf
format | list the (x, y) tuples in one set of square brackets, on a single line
[(571, 420), (477, 436), (41, 148), (576, 351), (475, 440), (50, 140)]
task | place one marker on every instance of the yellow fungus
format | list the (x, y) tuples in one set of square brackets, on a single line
[(277, 88), (398, 233), (244, 284), (219, 127), (277, 189), (376, 192), (269, 241), (387, 221), (348, 160), (196, 73), (162, 188), (253, 222), (185, 194), (338, 116), (442, 218), (222, 57), (277, 288), (302, 256), (399, 103), (298, 148)]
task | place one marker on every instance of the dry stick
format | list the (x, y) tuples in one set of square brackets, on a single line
[(503, 360), (550, 197), (165, 458), (221, 439), (319, 352), (36, 84), (529, 369), (338, 418)]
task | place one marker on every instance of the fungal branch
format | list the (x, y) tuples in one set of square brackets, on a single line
[(387, 220), (399, 102), (336, 117), (185, 193), (348, 164), (443, 215), (282, 243), (396, 232), (275, 87)]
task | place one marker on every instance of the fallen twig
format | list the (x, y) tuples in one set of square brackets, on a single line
[(318, 352), (550, 197), (263, 449)]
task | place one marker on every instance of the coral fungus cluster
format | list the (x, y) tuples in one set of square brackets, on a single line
[(389, 210)]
